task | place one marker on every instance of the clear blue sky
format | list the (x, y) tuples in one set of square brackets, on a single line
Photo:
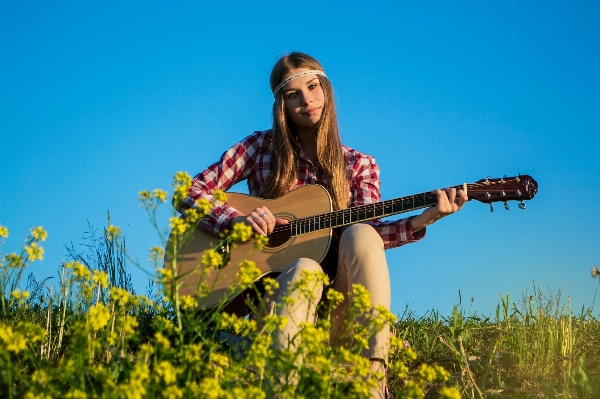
[(99, 100)]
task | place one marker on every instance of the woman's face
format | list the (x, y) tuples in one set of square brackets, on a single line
[(303, 98)]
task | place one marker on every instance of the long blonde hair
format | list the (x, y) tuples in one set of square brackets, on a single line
[(285, 154)]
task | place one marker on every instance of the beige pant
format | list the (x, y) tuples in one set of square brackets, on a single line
[(361, 261)]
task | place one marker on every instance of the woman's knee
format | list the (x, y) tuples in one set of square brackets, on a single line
[(361, 235)]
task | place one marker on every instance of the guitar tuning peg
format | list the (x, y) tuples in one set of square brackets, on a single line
[(522, 205), (491, 207), (506, 205)]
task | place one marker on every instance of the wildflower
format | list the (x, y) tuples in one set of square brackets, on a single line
[(270, 285), (24, 333), (399, 369), (156, 254), (188, 302), (34, 252), (192, 216), (98, 317), (210, 388), (181, 183), (129, 325), (260, 241), (361, 298), (160, 195), (247, 274), (414, 390), (203, 206), (211, 259), (20, 295), (178, 225), (112, 232), (172, 392), (99, 277), (120, 295), (14, 261), (39, 234), (75, 394), (166, 370), (79, 270), (241, 232), (427, 373), (449, 393), (220, 195), (334, 297), (161, 340), (3, 232)]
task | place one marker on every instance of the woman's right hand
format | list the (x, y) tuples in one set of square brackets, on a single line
[(261, 220)]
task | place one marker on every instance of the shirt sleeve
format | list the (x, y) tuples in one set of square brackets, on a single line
[(234, 165), (365, 187)]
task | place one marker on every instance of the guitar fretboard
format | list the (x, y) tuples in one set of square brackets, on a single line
[(362, 213)]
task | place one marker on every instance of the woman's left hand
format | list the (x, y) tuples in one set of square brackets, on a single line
[(449, 201)]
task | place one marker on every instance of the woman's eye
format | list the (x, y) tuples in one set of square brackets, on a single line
[(312, 86), (291, 95)]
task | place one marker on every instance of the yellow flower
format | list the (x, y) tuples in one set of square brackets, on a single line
[(335, 297), (427, 373), (156, 254), (112, 232), (75, 394), (162, 340), (210, 388), (247, 274), (188, 302), (39, 233), (178, 225), (17, 340), (160, 195), (98, 317), (166, 370), (129, 325), (241, 232), (14, 260), (449, 393), (220, 195), (101, 278), (203, 206), (79, 270), (361, 298), (270, 285), (211, 259), (34, 252), (120, 295), (181, 183), (3, 232)]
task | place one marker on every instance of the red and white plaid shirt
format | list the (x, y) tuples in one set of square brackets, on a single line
[(250, 160)]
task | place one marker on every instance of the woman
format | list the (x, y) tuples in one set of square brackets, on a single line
[(302, 148)]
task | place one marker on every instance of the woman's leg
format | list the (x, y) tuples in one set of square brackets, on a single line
[(362, 261), (300, 306)]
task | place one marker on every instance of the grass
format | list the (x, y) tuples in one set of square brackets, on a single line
[(89, 335)]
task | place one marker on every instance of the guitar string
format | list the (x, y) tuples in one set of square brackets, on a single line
[(341, 217)]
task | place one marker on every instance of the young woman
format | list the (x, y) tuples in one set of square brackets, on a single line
[(304, 147)]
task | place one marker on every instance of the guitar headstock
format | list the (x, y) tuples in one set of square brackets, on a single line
[(519, 188)]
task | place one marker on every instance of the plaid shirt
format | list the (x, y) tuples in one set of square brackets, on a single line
[(250, 160)]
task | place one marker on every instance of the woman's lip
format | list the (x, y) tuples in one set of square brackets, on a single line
[(312, 111)]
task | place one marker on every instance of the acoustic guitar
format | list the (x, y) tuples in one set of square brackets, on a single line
[(309, 231)]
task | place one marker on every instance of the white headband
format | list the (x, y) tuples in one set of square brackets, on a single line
[(296, 76)]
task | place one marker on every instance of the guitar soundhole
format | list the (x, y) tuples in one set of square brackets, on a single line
[(280, 236)]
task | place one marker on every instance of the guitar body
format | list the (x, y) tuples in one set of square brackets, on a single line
[(302, 202)]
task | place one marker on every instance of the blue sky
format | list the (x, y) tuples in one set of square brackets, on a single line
[(99, 100)]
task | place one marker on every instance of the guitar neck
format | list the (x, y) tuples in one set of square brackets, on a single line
[(363, 213)]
